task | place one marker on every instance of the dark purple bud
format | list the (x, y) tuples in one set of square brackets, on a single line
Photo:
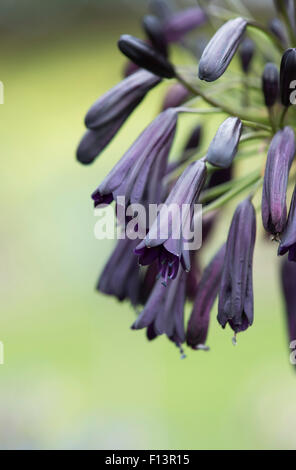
[(279, 159), (176, 95), (181, 23), (160, 8), (164, 311), (288, 237), (278, 29), (270, 84), (288, 76), (121, 275), (110, 111), (154, 30), (246, 53), (220, 50), (197, 329), (236, 290), (171, 250), (145, 56), (223, 147), (288, 275), (138, 174)]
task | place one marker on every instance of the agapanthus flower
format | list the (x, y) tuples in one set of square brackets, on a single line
[(175, 96), (164, 310), (145, 56), (236, 289), (154, 30), (180, 23), (207, 291), (279, 159), (224, 145), (287, 76), (171, 249), (288, 237), (246, 54), (138, 174), (270, 84), (288, 278), (220, 50), (109, 112)]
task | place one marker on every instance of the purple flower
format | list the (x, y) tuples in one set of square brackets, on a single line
[(270, 84), (182, 22), (220, 50), (109, 112), (145, 56), (197, 329), (288, 277), (171, 249), (279, 159), (164, 311), (154, 30), (287, 75), (236, 290), (223, 147), (137, 176), (246, 53), (288, 237), (176, 95)]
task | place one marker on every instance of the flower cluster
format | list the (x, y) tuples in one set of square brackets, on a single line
[(160, 272)]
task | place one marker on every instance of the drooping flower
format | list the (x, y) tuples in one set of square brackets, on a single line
[(207, 291), (246, 53), (145, 56), (279, 159), (223, 147), (179, 24), (288, 278), (270, 84), (175, 96), (138, 175), (288, 76), (164, 311), (109, 112), (154, 30), (288, 237), (165, 241), (220, 50), (236, 289)]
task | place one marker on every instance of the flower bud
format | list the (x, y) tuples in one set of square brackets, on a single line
[(176, 95), (279, 159), (288, 238), (145, 56), (288, 76), (221, 49), (223, 147), (154, 30), (278, 29), (246, 53), (270, 84), (182, 22)]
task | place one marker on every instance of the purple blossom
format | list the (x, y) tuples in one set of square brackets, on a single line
[(270, 84), (224, 145), (197, 329), (179, 24), (279, 159), (175, 96), (288, 237), (236, 290)]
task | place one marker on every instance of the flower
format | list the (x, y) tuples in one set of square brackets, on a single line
[(236, 289), (279, 159), (287, 76), (145, 56), (175, 96), (164, 311), (154, 30), (223, 147), (137, 176), (179, 24), (109, 112), (288, 278), (270, 84), (278, 29), (246, 53), (207, 291), (162, 242), (220, 50), (288, 237)]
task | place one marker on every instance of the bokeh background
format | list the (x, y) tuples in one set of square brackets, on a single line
[(75, 375)]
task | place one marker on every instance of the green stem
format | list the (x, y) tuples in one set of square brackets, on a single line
[(256, 125), (253, 136), (283, 116), (184, 109), (272, 119)]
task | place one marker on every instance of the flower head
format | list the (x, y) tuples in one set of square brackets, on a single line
[(223, 147), (236, 290), (279, 159), (221, 49)]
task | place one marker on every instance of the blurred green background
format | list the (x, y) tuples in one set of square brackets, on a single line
[(75, 375)]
